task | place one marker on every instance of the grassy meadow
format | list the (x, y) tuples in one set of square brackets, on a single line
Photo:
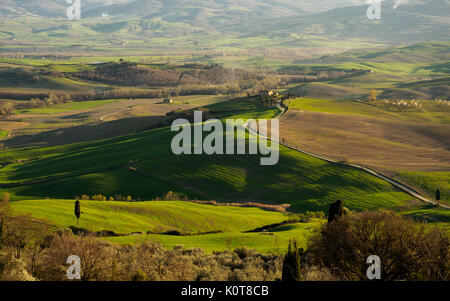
[(194, 221)]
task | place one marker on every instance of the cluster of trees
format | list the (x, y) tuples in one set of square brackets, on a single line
[(50, 100), (7, 108), (169, 196), (28, 76), (103, 198), (47, 56), (40, 100), (301, 74), (18, 75), (131, 74)]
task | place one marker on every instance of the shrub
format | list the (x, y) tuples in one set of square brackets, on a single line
[(139, 276), (7, 108), (407, 251), (95, 255)]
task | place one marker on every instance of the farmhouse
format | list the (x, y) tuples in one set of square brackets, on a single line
[(168, 100), (268, 93)]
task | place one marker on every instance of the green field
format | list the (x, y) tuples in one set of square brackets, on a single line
[(188, 218), (3, 134), (428, 112), (304, 182), (439, 217), (429, 182), (108, 130), (154, 216), (274, 241)]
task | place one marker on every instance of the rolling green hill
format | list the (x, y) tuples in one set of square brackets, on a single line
[(418, 71), (143, 166), (156, 216), (212, 228)]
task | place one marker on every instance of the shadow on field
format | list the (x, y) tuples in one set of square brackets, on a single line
[(87, 132)]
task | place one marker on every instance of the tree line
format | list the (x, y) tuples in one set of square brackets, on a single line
[(133, 74)]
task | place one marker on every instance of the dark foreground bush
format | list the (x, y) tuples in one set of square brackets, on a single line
[(408, 251)]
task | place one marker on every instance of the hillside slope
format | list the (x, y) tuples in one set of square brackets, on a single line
[(143, 166), (173, 10), (416, 21), (156, 217), (294, 21)]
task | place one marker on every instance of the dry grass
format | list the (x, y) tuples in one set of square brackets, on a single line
[(10, 125), (277, 208)]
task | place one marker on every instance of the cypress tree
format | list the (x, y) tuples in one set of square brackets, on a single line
[(438, 195), (336, 211), (291, 263), (77, 210)]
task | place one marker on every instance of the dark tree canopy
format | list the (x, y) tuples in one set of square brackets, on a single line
[(336, 211), (77, 209), (291, 263)]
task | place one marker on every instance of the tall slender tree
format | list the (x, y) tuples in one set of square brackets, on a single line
[(291, 263), (77, 210), (438, 196)]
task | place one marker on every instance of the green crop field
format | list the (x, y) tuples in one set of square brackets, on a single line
[(191, 219), (429, 182), (428, 112), (439, 217), (273, 241), (155, 216), (3, 134)]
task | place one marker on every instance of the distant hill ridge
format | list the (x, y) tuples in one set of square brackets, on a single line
[(412, 21)]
